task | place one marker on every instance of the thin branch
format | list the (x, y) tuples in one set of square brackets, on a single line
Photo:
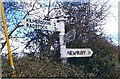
[(18, 26)]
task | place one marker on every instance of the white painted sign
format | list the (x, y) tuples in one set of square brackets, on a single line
[(36, 23), (51, 25), (85, 52)]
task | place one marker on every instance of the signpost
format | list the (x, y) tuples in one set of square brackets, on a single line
[(51, 25), (84, 52), (57, 24), (69, 36)]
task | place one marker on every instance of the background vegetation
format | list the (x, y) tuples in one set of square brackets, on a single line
[(87, 19)]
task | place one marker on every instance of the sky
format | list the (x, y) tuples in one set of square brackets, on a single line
[(111, 27)]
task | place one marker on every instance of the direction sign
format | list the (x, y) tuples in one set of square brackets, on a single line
[(84, 52), (51, 25), (70, 36)]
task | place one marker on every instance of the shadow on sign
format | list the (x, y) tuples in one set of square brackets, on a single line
[(70, 36)]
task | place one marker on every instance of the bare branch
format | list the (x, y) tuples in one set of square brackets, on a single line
[(17, 26)]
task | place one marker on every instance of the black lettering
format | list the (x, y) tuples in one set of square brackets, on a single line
[(74, 53), (82, 52), (41, 22), (39, 26), (69, 52), (49, 23), (36, 26), (27, 24), (31, 20), (89, 52), (28, 20), (78, 53), (35, 21), (31, 25)]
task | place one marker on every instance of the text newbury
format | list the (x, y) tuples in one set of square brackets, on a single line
[(83, 52)]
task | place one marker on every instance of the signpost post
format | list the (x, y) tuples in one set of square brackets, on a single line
[(62, 44)]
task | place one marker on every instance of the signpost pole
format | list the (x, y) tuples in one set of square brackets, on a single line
[(62, 44), (62, 47)]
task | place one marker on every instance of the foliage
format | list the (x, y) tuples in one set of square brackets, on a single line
[(30, 66), (87, 19)]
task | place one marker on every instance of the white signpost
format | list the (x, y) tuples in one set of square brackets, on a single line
[(54, 25), (84, 52), (51, 25)]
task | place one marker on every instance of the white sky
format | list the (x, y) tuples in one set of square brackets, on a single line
[(111, 27)]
